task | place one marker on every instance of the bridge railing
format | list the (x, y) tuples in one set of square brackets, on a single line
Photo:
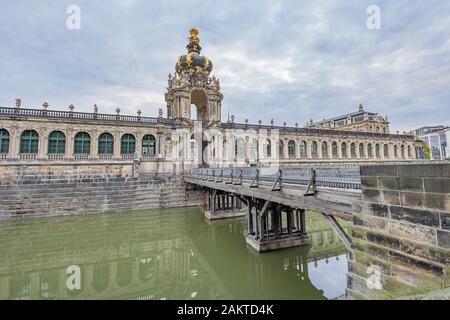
[(345, 177)]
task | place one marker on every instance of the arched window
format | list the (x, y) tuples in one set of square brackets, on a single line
[(353, 150), (149, 145), (100, 279), (314, 151), (344, 150), (29, 142), (334, 150), (377, 151), (106, 143), (127, 144), (409, 152), (56, 143), (386, 151), (281, 149), (369, 150), (4, 141), (254, 149), (82, 144), (49, 284), (124, 273), (361, 151), (303, 149), (146, 269), (403, 152), (239, 148), (291, 149), (268, 149), (324, 150), (396, 152)]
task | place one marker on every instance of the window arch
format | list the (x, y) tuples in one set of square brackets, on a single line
[(409, 152), (127, 144), (56, 143), (281, 149), (146, 269), (268, 149), (291, 149), (29, 142), (124, 273), (106, 143), (344, 150), (377, 151), (4, 141), (353, 150), (149, 145), (239, 148), (314, 151), (403, 151), (361, 151), (82, 144), (369, 150), (386, 151), (324, 150), (100, 280), (334, 150), (303, 149)]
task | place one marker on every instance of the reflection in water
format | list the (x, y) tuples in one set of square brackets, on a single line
[(167, 254)]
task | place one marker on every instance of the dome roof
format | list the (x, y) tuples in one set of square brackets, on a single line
[(193, 61)]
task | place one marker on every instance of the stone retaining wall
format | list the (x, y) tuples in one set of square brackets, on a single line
[(48, 190), (401, 233)]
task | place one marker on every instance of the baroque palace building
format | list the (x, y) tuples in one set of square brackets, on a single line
[(36, 135)]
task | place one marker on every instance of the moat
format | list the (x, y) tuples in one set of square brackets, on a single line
[(163, 254)]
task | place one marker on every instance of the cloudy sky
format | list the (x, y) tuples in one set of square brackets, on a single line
[(287, 60)]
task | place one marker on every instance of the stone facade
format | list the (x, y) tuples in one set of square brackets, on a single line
[(401, 232), (362, 121), (42, 134), (49, 190)]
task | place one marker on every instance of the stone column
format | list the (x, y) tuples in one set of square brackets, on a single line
[(94, 144), (138, 136), (69, 144), (117, 137), (42, 138), (15, 143)]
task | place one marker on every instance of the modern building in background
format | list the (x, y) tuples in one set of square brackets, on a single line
[(437, 137)]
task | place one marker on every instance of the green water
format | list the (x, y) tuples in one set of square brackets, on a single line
[(163, 254)]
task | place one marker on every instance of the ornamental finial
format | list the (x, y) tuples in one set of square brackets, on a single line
[(193, 46), (194, 35)]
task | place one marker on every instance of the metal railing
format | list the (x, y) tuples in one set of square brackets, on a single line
[(313, 132), (343, 177), (42, 113)]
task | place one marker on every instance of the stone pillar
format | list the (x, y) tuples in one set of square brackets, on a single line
[(94, 144), (43, 139), (14, 148), (403, 214), (138, 136), (117, 137)]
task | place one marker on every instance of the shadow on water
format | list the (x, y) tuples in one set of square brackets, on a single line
[(163, 254)]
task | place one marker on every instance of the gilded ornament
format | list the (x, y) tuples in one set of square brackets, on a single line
[(189, 59)]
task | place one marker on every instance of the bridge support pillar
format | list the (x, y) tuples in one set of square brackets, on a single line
[(272, 226), (222, 205)]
